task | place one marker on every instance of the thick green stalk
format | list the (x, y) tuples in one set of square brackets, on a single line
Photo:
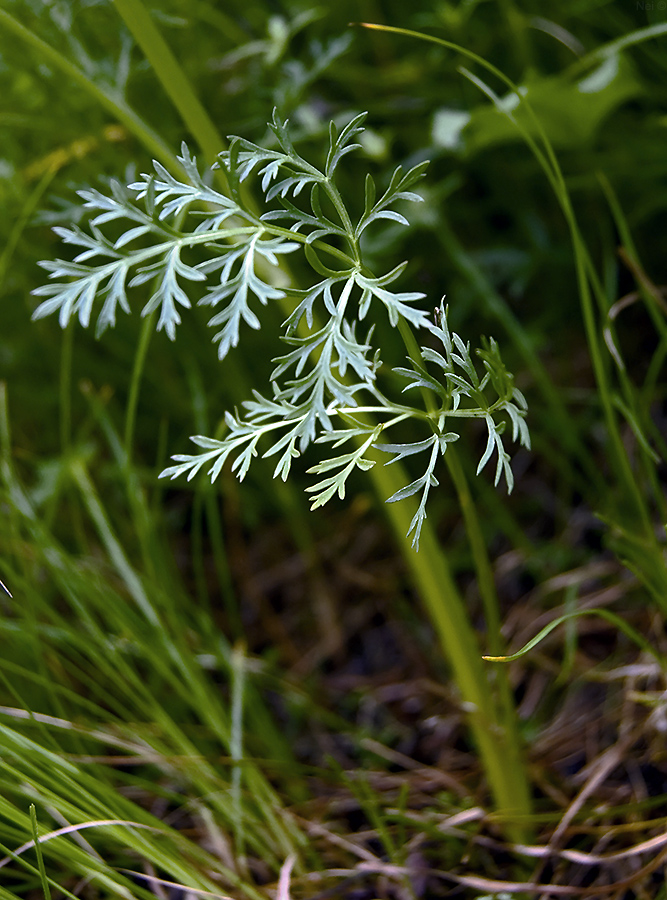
[(508, 782), (171, 76), (432, 578)]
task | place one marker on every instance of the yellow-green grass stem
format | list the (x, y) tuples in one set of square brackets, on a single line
[(435, 585), (172, 78)]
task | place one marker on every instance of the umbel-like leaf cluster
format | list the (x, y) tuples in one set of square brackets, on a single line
[(174, 232)]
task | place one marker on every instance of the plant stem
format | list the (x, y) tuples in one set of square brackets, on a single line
[(147, 330), (495, 732), (432, 578), (172, 78)]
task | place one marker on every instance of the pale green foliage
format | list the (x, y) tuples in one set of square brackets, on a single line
[(328, 367)]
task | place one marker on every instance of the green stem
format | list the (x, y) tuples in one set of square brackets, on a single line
[(496, 733), (487, 589), (344, 216), (65, 390), (46, 890), (485, 580), (237, 671), (111, 543), (172, 78), (212, 507), (137, 371), (433, 580)]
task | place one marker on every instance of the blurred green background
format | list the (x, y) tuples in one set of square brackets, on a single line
[(91, 542)]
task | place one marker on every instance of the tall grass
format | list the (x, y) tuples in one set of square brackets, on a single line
[(137, 742), (628, 511)]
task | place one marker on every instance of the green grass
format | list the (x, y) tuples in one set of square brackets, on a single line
[(150, 728)]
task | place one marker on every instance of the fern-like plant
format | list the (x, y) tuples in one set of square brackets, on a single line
[(325, 388)]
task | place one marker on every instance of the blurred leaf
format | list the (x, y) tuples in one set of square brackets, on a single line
[(569, 111)]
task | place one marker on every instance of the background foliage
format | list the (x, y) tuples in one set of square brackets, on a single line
[(248, 682)]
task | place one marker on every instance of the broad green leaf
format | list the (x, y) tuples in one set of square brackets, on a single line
[(570, 110)]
